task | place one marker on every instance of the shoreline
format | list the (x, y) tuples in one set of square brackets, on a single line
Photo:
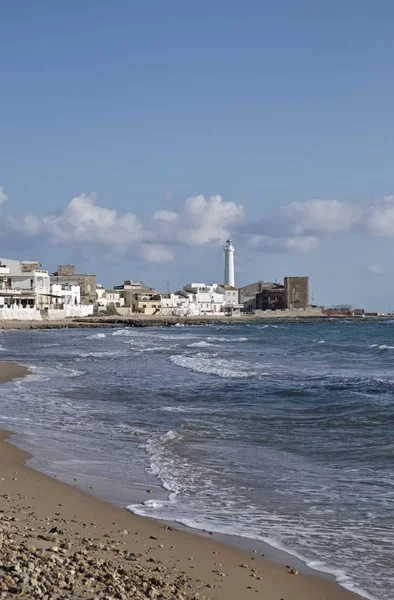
[(170, 321), (229, 582), (203, 564)]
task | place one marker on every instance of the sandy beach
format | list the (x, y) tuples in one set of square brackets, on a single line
[(9, 370), (59, 542)]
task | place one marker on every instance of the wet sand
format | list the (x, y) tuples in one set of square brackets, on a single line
[(10, 370), (57, 541)]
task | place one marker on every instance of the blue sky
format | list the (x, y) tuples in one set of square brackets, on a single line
[(132, 133)]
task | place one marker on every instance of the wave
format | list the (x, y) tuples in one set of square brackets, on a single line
[(201, 344), (69, 372), (156, 349), (211, 365), (381, 346), (160, 452), (103, 354), (122, 332), (182, 409), (227, 339), (142, 345), (96, 336), (340, 575)]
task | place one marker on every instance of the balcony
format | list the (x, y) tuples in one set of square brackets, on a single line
[(10, 291)]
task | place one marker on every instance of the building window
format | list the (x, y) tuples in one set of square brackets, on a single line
[(89, 287), (297, 297)]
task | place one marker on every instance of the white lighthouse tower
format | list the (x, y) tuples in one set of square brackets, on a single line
[(229, 249)]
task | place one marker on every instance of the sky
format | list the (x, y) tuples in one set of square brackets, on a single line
[(135, 137)]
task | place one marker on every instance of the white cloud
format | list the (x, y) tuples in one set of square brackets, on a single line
[(3, 196), (168, 216), (376, 269), (156, 253), (281, 244), (323, 216), (380, 219), (84, 221), (209, 220), (201, 221)]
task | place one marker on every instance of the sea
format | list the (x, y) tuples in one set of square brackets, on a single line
[(281, 433)]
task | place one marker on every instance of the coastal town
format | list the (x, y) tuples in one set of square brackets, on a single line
[(29, 292)]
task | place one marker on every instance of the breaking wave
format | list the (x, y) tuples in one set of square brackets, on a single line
[(96, 336), (227, 339), (211, 365), (103, 354)]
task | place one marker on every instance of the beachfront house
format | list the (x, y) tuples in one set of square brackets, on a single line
[(24, 289)]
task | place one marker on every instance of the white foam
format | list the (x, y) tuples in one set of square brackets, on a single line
[(102, 354), (123, 332), (142, 345), (69, 372), (226, 339), (152, 504), (177, 409), (96, 336), (384, 347), (201, 344), (342, 578), (214, 366), (160, 460)]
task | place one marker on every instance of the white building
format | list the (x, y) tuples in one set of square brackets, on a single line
[(4, 275), (231, 299), (65, 301), (177, 304), (25, 286), (65, 294), (201, 299), (204, 298), (105, 298)]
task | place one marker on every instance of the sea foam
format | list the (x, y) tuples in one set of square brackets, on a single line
[(96, 336), (214, 366), (226, 339)]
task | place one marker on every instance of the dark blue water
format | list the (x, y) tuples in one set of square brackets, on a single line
[(282, 433)]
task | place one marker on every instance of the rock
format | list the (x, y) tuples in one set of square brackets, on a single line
[(293, 571)]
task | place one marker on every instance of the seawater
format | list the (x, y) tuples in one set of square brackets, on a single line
[(275, 432)]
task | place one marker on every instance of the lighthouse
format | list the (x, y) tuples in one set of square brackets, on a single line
[(229, 249)]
